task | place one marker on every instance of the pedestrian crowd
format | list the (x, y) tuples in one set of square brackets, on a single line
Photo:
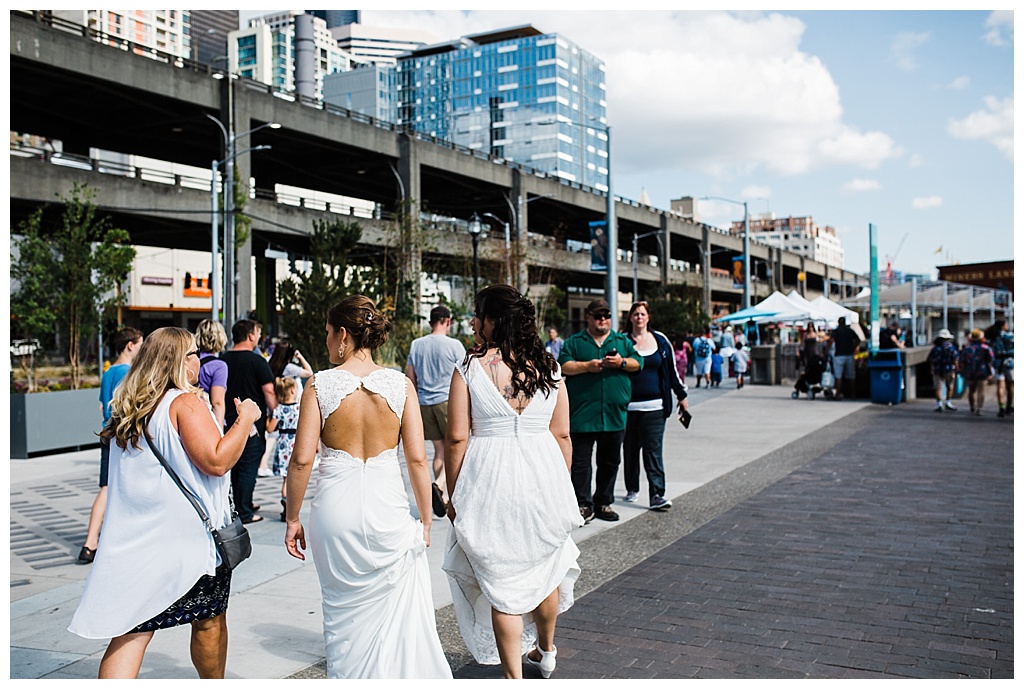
[(528, 437)]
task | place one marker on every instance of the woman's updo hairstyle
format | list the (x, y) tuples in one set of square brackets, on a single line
[(362, 320), (515, 335)]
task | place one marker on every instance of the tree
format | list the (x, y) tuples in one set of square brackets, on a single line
[(306, 298), (78, 274), (677, 309), (33, 274)]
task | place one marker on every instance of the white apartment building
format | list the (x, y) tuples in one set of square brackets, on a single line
[(378, 44), (265, 51), (165, 30), (800, 235)]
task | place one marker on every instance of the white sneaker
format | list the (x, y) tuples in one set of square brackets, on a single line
[(950, 406), (546, 664), (631, 496)]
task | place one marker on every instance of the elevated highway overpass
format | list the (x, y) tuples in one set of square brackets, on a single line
[(67, 86)]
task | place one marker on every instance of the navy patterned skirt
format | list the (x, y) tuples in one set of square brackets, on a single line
[(208, 598)]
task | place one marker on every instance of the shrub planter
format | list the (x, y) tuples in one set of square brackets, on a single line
[(46, 422)]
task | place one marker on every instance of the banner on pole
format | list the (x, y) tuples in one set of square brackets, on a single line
[(598, 245)]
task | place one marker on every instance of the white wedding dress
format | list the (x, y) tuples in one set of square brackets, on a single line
[(510, 545), (369, 552)]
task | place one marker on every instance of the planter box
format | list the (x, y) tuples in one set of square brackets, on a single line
[(45, 422)]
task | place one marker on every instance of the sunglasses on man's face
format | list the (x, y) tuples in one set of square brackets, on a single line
[(602, 315)]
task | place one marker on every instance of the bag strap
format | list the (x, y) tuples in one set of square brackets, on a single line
[(177, 481)]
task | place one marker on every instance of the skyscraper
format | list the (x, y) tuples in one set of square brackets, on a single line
[(517, 93), (209, 35)]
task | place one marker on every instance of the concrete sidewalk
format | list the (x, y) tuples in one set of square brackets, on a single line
[(275, 617)]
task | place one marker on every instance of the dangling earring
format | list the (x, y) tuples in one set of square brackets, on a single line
[(341, 351)]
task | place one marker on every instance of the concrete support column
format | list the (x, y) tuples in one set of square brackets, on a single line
[(705, 255), (243, 164), (409, 174), (665, 247), (520, 241)]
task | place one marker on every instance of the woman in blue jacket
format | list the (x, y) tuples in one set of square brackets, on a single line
[(649, 406)]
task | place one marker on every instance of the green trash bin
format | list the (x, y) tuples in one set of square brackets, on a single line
[(886, 368)]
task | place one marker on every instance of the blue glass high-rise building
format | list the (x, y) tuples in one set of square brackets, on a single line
[(517, 93)]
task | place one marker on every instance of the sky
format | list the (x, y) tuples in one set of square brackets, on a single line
[(898, 118)]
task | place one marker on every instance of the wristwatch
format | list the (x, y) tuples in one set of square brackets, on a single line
[(623, 364)]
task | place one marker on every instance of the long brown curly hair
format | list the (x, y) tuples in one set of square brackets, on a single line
[(515, 336)]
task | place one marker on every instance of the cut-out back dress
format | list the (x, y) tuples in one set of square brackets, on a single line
[(369, 552), (515, 510)]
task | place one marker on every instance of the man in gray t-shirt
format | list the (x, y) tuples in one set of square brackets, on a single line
[(431, 363)]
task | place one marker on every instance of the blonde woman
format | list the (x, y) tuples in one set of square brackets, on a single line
[(157, 565), (369, 551), (213, 371)]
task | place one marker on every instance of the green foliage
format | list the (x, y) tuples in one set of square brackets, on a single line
[(73, 270), (677, 309), (306, 298)]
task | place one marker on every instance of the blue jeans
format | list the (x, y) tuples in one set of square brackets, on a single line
[(645, 430), (609, 443), (243, 475)]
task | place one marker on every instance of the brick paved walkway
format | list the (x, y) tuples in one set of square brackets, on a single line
[(889, 555)]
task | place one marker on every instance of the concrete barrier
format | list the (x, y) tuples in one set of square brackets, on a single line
[(42, 422)]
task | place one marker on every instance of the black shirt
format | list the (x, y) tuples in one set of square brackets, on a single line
[(248, 372), (846, 340), (885, 339)]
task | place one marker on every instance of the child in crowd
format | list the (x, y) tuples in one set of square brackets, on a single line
[(716, 369), (285, 421), (740, 359)]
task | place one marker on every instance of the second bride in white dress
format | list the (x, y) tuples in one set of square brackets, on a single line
[(510, 557), (369, 552)]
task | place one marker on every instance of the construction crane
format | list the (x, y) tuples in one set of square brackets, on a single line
[(890, 258)]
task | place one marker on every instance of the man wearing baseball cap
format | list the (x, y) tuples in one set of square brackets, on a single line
[(597, 364)]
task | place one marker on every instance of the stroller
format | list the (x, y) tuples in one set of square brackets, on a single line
[(817, 378)]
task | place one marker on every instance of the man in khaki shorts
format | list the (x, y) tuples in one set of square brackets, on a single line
[(430, 366)]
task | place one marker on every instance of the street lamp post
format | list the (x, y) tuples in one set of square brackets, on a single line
[(474, 231), (636, 281), (611, 287), (230, 140), (508, 267), (746, 247)]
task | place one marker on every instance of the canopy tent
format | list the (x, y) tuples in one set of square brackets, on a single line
[(835, 311), (754, 313)]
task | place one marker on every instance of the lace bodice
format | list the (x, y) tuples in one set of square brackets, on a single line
[(334, 385)]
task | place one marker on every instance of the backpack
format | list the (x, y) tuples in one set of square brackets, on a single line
[(703, 348)]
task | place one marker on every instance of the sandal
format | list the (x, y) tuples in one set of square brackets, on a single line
[(87, 554), (546, 664), (253, 518)]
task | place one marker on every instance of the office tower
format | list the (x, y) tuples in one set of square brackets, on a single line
[(335, 18), (209, 35), (517, 93)]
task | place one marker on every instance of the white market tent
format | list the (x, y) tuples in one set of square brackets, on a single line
[(776, 308), (834, 311)]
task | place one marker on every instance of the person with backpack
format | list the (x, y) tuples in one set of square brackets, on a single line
[(978, 361), (703, 347), (213, 371), (1001, 341), (944, 361)]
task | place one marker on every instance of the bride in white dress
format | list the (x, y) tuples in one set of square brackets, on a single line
[(510, 558), (369, 552)]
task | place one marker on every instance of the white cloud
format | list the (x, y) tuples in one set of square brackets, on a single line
[(903, 48), (756, 192), (926, 202), (993, 124), (1000, 28), (858, 185), (730, 92), (959, 84), (916, 160)]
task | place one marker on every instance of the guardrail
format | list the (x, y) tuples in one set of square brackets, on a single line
[(176, 61)]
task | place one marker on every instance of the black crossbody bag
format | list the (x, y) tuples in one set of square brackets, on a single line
[(232, 541)]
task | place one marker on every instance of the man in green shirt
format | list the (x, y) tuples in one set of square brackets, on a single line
[(597, 364)]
